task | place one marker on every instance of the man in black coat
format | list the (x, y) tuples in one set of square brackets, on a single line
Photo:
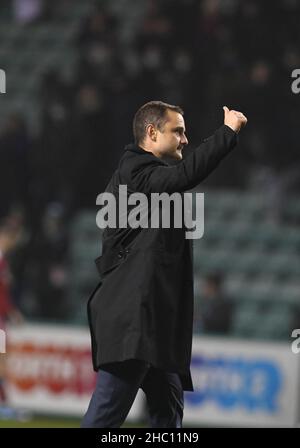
[(141, 313)]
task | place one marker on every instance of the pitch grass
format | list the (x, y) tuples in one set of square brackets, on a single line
[(40, 423), (44, 422)]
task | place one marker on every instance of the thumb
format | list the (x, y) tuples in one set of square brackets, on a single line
[(226, 110)]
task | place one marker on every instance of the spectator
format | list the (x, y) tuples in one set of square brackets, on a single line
[(216, 309), (15, 145), (48, 270), (10, 233)]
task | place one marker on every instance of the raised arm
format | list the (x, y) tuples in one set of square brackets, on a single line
[(150, 175)]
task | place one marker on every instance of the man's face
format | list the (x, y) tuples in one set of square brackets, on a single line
[(171, 139)]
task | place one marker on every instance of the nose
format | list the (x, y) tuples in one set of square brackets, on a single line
[(184, 140)]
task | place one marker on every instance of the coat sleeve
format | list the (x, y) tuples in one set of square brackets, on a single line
[(151, 176)]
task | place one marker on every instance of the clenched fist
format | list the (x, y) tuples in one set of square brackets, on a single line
[(234, 119)]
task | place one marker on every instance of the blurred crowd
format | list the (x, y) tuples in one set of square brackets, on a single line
[(198, 54)]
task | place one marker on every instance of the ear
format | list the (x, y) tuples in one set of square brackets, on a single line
[(151, 132)]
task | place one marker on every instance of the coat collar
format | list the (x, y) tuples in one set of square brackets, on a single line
[(137, 149)]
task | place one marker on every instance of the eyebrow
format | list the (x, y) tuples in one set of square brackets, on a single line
[(179, 128)]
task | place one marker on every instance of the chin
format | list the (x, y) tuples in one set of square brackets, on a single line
[(178, 155)]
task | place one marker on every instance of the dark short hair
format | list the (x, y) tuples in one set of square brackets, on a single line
[(154, 112)]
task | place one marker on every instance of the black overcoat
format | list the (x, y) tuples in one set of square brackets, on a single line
[(142, 307)]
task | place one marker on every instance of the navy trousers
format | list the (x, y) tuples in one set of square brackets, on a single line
[(117, 386)]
